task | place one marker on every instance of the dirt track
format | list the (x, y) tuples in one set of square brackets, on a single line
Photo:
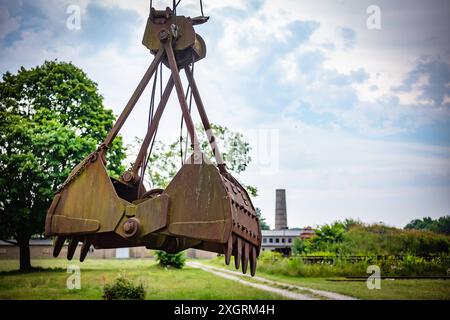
[(284, 289)]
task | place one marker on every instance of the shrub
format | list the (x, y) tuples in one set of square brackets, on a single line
[(409, 265), (176, 260), (378, 239), (298, 247), (123, 289)]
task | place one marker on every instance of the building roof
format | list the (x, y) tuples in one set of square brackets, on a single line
[(33, 242), (281, 233)]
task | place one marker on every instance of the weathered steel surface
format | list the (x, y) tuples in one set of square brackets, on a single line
[(203, 207), (162, 20), (188, 46), (90, 197)]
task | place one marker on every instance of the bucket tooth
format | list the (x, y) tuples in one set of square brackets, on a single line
[(229, 250), (84, 250), (245, 257), (253, 260), (238, 253), (59, 243), (71, 248)]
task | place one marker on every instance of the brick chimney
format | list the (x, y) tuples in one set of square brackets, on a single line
[(280, 210)]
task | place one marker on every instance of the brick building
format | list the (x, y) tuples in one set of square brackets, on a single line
[(43, 248), (281, 238)]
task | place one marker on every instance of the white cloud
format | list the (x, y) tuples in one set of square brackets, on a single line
[(7, 23), (331, 175), (386, 55)]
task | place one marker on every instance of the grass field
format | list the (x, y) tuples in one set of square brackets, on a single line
[(50, 282), (422, 289)]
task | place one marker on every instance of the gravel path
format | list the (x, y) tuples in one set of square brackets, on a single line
[(286, 290)]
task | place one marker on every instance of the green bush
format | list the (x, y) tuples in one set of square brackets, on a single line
[(123, 289), (176, 260), (298, 247)]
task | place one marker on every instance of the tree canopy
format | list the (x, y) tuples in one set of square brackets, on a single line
[(51, 117)]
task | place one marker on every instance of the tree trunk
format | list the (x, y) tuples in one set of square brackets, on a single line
[(24, 248)]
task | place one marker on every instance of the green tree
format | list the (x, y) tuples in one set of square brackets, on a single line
[(326, 236), (330, 233), (444, 225), (51, 117), (350, 223), (441, 225), (298, 247), (262, 220)]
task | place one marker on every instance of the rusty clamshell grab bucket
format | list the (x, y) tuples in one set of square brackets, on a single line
[(203, 207)]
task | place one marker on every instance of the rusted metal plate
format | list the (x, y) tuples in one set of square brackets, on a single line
[(199, 208), (186, 33), (151, 214), (90, 196), (245, 220), (68, 225)]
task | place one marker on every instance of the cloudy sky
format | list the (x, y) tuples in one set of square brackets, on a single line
[(349, 113)]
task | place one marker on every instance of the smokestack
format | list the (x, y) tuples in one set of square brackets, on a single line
[(280, 210)]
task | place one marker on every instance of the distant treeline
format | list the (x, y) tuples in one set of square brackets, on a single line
[(440, 225), (347, 248), (352, 237)]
